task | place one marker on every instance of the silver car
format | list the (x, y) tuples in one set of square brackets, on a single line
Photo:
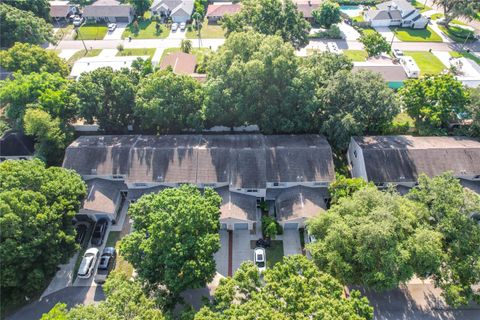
[(88, 263)]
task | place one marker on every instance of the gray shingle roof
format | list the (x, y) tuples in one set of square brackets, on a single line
[(236, 205), (241, 161), (102, 195), (404, 158), (300, 202), (107, 8), (388, 73), (384, 14)]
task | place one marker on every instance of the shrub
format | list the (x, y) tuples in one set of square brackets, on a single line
[(120, 47), (332, 33), (270, 227)]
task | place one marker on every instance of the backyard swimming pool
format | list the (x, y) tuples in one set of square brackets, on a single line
[(351, 11)]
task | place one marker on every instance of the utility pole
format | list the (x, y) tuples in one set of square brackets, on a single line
[(77, 29)]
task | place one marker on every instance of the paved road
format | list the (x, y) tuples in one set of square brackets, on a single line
[(71, 296)]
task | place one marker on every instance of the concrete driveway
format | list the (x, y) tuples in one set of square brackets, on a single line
[(387, 33), (241, 250), (291, 242), (348, 31), (221, 256), (117, 33)]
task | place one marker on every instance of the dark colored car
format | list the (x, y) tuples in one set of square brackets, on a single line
[(81, 230), (99, 232), (106, 264)]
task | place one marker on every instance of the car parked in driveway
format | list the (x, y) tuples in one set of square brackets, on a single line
[(77, 21), (112, 27), (88, 263), (106, 264), (260, 259), (183, 25), (99, 232), (174, 26)]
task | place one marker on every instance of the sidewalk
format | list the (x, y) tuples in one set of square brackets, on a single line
[(63, 277)]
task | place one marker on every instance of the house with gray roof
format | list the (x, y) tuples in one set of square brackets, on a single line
[(109, 11), (396, 13), (243, 168), (179, 10), (399, 160), (15, 145)]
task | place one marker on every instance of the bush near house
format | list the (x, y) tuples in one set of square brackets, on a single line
[(270, 227)]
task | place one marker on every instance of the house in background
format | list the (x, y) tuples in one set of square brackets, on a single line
[(109, 11), (244, 169), (183, 63), (394, 75), (62, 10), (399, 160), (179, 10), (15, 145), (216, 11), (105, 199), (396, 13), (306, 7)]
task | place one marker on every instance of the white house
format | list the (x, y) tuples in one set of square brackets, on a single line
[(244, 169), (178, 10), (399, 160), (396, 13)]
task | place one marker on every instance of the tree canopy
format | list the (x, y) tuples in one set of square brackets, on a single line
[(125, 300), (433, 101), (270, 17), (140, 6), (27, 58), (22, 26), (345, 187), (168, 102), (458, 8), (327, 14), (292, 289), (40, 8), (37, 205), (175, 236), (107, 96), (374, 43)]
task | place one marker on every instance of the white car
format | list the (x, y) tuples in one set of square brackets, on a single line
[(112, 26), (88, 263), (397, 53), (183, 25), (174, 26), (77, 21), (260, 259)]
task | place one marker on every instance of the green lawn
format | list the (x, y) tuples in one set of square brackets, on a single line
[(465, 54), (420, 5), (356, 55), (426, 61), (437, 16), (416, 35), (122, 265), (81, 54), (91, 32), (274, 253), (208, 31), (65, 32), (366, 31), (457, 34), (146, 30), (196, 51), (137, 52), (359, 18)]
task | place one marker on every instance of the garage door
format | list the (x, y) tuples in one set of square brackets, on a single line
[(290, 226), (240, 226), (121, 19)]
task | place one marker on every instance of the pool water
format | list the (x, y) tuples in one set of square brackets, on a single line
[(351, 11)]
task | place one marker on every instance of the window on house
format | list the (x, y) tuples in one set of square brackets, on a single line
[(355, 153)]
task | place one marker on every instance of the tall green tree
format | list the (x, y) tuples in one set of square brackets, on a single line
[(140, 6), (366, 239), (327, 14), (270, 17), (23, 26), (292, 289), (374, 43), (27, 58), (449, 210), (107, 96), (434, 101), (473, 110), (458, 8), (355, 104), (345, 187), (125, 300), (252, 80), (40, 8), (37, 205), (167, 102), (175, 236), (49, 92)]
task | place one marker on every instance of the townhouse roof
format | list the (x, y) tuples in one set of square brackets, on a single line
[(236, 205), (388, 72), (16, 144), (239, 161), (300, 202), (181, 63), (107, 8), (103, 195), (219, 10), (404, 158)]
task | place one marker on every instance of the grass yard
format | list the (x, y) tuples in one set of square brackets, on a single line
[(465, 54), (274, 253), (437, 16), (137, 52), (359, 18), (426, 61), (416, 35), (196, 51), (208, 31), (366, 31), (356, 55), (65, 32), (419, 5), (457, 33), (81, 54), (146, 30), (91, 32), (122, 265)]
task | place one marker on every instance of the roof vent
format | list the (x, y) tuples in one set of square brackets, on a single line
[(94, 171)]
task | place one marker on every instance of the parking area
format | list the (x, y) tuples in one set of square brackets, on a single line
[(117, 33), (291, 242), (221, 256), (241, 248)]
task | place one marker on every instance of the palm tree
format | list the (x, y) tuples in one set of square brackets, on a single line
[(186, 46), (197, 17)]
